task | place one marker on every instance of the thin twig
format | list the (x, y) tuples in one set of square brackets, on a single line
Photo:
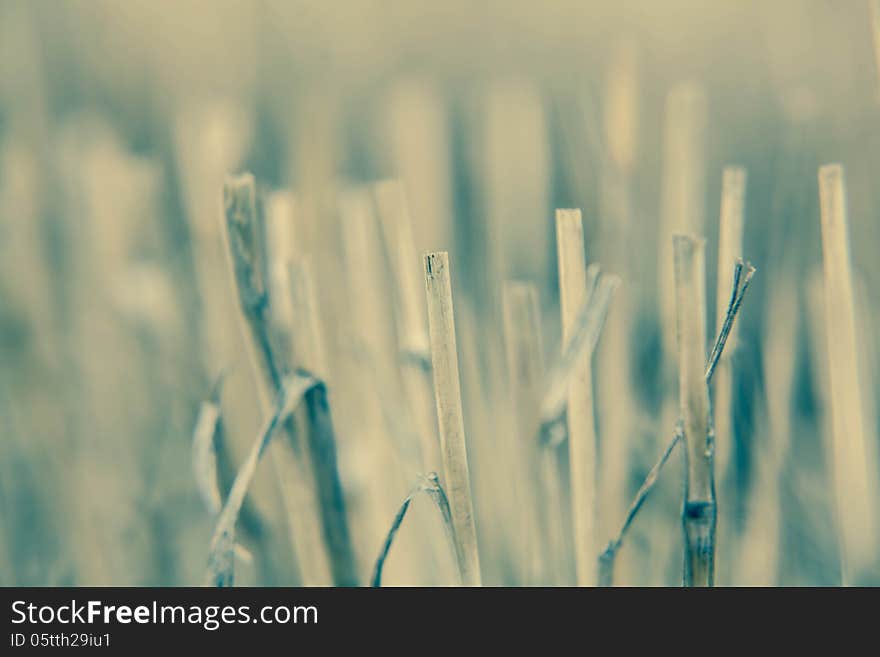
[(221, 560), (430, 485), (606, 559), (585, 335), (740, 285)]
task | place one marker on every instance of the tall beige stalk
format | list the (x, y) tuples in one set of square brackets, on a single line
[(699, 512), (447, 389), (573, 293), (853, 461)]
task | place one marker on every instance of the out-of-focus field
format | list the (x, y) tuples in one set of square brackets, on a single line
[(119, 318)]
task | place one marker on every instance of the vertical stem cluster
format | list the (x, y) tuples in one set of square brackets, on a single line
[(447, 390), (699, 513), (573, 291)]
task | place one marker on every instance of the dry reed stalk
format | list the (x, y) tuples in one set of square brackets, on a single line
[(306, 462), (856, 505), (699, 512), (730, 237), (525, 371), (412, 322), (447, 389), (573, 293)]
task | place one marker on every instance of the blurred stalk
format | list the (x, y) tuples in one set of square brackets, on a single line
[(853, 460), (525, 371)]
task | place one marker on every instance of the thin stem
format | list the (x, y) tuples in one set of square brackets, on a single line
[(430, 485), (221, 560), (606, 559)]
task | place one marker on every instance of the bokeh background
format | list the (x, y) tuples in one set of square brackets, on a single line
[(120, 120)]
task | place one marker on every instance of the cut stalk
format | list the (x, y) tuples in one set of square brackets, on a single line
[(852, 466), (699, 511), (573, 293), (447, 390), (306, 461)]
